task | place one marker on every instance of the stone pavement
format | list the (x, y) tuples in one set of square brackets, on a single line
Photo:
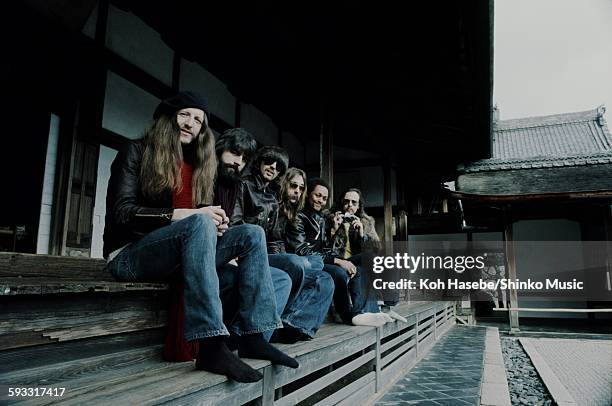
[(450, 374), (580, 368)]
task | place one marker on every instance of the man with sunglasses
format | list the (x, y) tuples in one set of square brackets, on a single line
[(257, 203)]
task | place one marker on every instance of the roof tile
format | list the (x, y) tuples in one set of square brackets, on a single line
[(558, 140)]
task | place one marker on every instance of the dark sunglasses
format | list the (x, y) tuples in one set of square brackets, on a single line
[(296, 185), (269, 161)]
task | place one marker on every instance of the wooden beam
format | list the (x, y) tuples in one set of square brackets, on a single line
[(595, 194), (539, 181), (511, 262), (388, 204), (326, 151)]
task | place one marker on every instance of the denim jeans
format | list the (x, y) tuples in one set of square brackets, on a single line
[(282, 288), (352, 296), (294, 266), (192, 247), (306, 310)]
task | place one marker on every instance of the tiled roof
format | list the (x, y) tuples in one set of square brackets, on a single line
[(571, 139)]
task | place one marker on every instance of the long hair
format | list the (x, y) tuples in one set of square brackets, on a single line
[(340, 203), (285, 205), (162, 157)]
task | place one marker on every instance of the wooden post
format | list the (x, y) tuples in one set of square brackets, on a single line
[(378, 377), (267, 395), (435, 320), (388, 205), (326, 151), (511, 261), (416, 330)]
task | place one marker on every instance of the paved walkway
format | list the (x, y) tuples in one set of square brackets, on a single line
[(582, 367), (450, 374)]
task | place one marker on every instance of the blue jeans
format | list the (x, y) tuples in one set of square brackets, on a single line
[(307, 308), (192, 247), (282, 289), (352, 296)]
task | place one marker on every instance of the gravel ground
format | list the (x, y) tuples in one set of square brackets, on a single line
[(526, 387)]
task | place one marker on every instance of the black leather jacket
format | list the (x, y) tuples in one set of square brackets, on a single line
[(129, 215), (308, 235), (255, 204), (258, 204)]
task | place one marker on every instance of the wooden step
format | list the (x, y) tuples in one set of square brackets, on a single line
[(137, 375), (47, 286), (62, 317), (50, 266)]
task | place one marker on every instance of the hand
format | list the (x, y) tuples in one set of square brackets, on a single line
[(348, 266), (221, 229), (358, 226), (216, 213), (337, 221)]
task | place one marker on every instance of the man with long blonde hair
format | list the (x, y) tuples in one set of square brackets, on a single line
[(159, 221)]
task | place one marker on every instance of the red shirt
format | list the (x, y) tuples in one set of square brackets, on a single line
[(182, 199)]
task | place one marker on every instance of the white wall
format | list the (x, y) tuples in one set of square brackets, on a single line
[(46, 206), (129, 37), (128, 110), (105, 159)]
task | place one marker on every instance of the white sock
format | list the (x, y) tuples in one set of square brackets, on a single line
[(396, 316), (386, 317), (369, 319)]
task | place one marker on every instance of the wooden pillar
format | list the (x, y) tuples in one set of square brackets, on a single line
[(388, 204), (326, 151), (511, 265), (378, 382)]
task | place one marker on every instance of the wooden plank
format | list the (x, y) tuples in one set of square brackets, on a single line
[(154, 387), (47, 286), (340, 395), (403, 337), (378, 355), (318, 359), (402, 363), (591, 181), (267, 396), (397, 352), (358, 397), (62, 371), (324, 381), (42, 355), (23, 339), (36, 265), (85, 315)]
